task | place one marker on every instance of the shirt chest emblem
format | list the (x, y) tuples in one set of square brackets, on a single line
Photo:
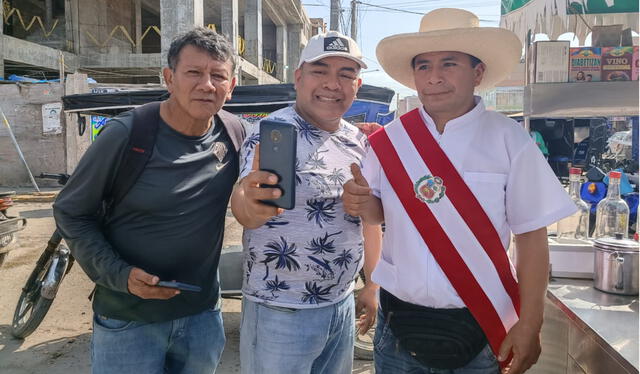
[(219, 150), (429, 189)]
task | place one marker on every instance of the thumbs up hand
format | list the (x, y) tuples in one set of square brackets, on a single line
[(356, 192), (358, 177)]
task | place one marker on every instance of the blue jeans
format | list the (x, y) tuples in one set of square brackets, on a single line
[(188, 345), (297, 341), (389, 357)]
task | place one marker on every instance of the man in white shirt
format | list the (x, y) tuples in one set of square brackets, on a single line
[(452, 181)]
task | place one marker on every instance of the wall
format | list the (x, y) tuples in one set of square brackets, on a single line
[(22, 104), (98, 18)]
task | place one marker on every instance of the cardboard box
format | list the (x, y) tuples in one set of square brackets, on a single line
[(584, 64), (634, 65), (616, 63), (549, 62)]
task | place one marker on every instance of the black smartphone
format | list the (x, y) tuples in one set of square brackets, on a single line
[(179, 286), (278, 142)]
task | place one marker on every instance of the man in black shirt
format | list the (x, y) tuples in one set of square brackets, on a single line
[(169, 226)]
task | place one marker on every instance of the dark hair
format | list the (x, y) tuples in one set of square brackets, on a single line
[(474, 61), (216, 45)]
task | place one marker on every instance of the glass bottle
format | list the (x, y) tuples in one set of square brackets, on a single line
[(612, 213), (576, 226)]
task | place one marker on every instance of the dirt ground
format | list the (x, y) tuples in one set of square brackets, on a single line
[(61, 345)]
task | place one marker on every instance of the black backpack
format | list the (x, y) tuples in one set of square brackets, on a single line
[(144, 132)]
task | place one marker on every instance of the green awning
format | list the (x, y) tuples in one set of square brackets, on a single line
[(556, 17), (581, 6)]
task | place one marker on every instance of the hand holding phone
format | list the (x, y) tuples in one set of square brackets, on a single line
[(179, 286), (277, 155), (144, 285)]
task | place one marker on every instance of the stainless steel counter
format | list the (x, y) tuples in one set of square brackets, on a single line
[(602, 330)]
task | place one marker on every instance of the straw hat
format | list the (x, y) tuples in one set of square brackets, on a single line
[(448, 29)]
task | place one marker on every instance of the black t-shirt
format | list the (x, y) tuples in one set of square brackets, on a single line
[(170, 224)]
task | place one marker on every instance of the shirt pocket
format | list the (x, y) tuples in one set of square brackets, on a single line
[(490, 191)]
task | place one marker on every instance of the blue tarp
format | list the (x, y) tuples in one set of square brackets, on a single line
[(19, 78)]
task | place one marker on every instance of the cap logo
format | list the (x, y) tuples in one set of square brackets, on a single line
[(335, 43)]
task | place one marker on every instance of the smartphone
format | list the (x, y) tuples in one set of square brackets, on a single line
[(278, 142), (179, 286)]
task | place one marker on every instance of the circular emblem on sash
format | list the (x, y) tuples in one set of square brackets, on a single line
[(429, 189)]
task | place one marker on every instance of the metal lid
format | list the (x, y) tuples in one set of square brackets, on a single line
[(617, 244)]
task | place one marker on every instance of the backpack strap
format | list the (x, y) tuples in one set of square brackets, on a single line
[(144, 131), (234, 126)]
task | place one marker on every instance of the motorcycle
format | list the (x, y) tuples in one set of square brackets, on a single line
[(9, 226)]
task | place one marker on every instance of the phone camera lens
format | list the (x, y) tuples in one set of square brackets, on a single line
[(276, 136)]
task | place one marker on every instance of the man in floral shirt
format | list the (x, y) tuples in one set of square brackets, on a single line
[(300, 264)]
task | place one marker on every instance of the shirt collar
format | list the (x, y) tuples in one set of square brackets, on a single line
[(468, 118)]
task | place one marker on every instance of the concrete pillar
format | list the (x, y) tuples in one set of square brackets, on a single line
[(1, 44), (75, 145), (281, 53), (229, 22), (253, 32), (137, 25), (178, 16), (71, 26), (48, 14), (294, 47)]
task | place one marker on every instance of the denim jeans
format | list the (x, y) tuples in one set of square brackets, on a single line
[(390, 358), (297, 341), (188, 345)]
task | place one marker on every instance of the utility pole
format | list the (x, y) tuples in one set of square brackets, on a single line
[(354, 23), (334, 21)]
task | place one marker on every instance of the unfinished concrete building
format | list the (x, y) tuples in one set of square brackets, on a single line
[(117, 42), (125, 41)]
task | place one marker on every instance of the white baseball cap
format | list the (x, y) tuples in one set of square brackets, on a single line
[(331, 44)]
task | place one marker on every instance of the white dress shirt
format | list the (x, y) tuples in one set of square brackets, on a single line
[(504, 170)]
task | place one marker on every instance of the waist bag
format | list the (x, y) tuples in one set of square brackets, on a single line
[(437, 338)]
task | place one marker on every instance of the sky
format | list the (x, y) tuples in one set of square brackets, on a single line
[(374, 24)]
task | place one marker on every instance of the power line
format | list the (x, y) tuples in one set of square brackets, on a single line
[(387, 8), (438, 3), (423, 13)]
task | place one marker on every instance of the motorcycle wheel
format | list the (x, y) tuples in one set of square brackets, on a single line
[(32, 307)]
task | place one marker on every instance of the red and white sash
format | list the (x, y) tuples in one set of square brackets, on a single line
[(455, 228)]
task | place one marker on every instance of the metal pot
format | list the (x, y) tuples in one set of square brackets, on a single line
[(616, 265)]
